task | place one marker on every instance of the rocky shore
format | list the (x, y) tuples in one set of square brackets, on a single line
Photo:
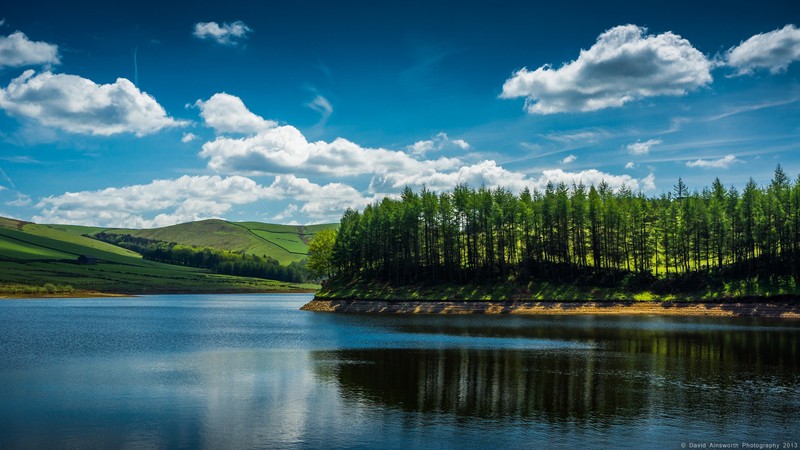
[(783, 309)]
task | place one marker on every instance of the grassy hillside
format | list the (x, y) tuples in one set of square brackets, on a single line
[(285, 243), (35, 255)]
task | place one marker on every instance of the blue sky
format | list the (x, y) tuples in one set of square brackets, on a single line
[(153, 113)]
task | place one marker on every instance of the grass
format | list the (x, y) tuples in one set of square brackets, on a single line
[(285, 243), (65, 236), (45, 257), (547, 291), (12, 248), (150, 278)]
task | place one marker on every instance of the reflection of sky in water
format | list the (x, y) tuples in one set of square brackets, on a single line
[(252, 371)]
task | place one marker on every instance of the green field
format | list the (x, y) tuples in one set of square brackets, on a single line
[(35, 255), (285, 243)]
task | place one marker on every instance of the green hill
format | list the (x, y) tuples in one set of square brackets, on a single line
[(35, 255), (285, 243)]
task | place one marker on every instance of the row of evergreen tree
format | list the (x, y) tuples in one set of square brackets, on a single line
[(571, 232), (219, 261)]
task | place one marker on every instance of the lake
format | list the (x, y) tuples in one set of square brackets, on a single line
[(252, 371)]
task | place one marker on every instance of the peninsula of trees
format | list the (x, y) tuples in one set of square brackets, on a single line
[(574, 234)]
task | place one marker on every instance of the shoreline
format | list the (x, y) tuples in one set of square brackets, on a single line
[(95, 294), (768, 309)]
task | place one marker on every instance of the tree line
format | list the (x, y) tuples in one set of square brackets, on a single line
[(572, 233), (218, 261)]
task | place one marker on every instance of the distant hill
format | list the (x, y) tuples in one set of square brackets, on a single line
[(285, 243), (34, 255)]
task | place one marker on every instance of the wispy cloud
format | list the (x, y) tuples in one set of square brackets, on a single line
[(569, 159), (720, 163), (321, 105), (749, 108), (7, 178)]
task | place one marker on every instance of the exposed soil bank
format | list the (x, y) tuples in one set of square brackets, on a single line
[(782, 309)]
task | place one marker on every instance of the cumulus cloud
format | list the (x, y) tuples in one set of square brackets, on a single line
[(642, 148), (319, 202), (630, 165), (439, 142), (285, 152), (569, 159), (79, 105), (284, 149), (188, 137), (593, 177), (625, 64), (227, 113), (188, 198), (16, 50), (773, 51), (268, 148), (225, 34), (166, 202), (489, 174), (720, 163), (486, 173)]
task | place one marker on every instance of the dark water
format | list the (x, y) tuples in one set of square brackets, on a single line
[(254, 372)]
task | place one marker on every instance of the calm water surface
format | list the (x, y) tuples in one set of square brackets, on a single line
[(251, 371)]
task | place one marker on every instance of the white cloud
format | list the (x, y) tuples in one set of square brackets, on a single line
[(486, 173), (287, 213), (642, 148), (439, 142), (165, 202), (22, 200), (321, 105), (489, 174), (593, 177), (721, 163), (774, 51), (188, 198), (225, 34), (16, 50), (188, 137), (569, 159), (648, 183), (284, 149), (630, 165), (589, 135), (227, 113), (623, 65), (319, 202), (79, 105)]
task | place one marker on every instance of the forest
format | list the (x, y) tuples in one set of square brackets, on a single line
[(577, 234), (220, 261)]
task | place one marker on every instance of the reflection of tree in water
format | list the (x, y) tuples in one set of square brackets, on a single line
[(718, 375)]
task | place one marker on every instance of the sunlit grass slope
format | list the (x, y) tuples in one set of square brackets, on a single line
[(285, 243), (35, 255)]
